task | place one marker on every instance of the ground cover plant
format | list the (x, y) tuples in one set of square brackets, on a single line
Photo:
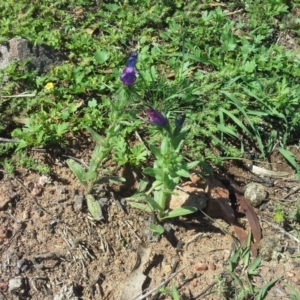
[(163, 89)]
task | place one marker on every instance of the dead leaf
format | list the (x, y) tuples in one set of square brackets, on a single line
[(218, 205), (191, 195), (135, 280), (250, 214), (262, 171), (92, 31)]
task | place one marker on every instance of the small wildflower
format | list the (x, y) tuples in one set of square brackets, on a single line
[(157, 118), (128, 76), (49, 86), (132, 60)]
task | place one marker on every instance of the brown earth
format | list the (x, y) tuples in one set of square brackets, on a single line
[(57, 251)]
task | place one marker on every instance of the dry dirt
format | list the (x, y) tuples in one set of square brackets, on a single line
[(56, 251)]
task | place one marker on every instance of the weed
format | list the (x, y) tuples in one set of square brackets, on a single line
[(242, 270)]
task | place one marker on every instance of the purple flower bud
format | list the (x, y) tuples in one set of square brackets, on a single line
[(157, 118), (128, 76), (131, 61), (179, 122)]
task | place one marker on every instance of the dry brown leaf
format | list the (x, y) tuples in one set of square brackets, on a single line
[(191, 195), (218, 205), (135, 280), (92, 31), (250, 214)]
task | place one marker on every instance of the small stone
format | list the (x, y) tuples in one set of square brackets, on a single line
[(290, 274), (118, 262), (201, 267), (269, 247), (194, 283), (66, 292), (167, 268), (78, 199), (212, 266), (255, 193), (15, 283)]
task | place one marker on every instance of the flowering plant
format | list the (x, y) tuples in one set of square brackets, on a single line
[(89, 177), (128, 76), (169, 166)]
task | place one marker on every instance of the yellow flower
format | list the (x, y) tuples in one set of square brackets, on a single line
[(49, 86)]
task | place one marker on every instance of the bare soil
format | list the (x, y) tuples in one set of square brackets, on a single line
[(57, 251)]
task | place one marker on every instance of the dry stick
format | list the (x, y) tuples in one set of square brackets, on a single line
[(141, 140), (19, 96), (8, 140), (282, 230), (234, 12), (40, 207), (192, 239), (204, 291), (160, 285), (294, 190)]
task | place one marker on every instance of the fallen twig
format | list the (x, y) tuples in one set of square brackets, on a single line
[(8, 140), (294, 190), (141, 297), (19, 96), (204, 291), (282, 230)]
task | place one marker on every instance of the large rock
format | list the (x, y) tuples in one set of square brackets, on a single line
[(42, 57)]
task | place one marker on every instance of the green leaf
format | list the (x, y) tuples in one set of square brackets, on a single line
[(249, 66), (96, 156), (94, 208), (263, 290), (237, 121), (144, 197), (140, 206), (193, 164), (101, 56), (175, 294), (181, 211), (254, 265), (77, 169), (143, 184), (155, 151), (290, 157), (156, 229), (154, 172), (98, 138), (183, 173), (88, 176), (228, 131)]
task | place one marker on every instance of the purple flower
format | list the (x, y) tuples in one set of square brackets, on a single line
[(156, 117), (128, 76), (131, 61)]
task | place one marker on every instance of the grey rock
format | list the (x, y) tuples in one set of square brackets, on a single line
[(78, 205), (16, 283), (66, 293), (255, 193), (270, 248), (41, 57)]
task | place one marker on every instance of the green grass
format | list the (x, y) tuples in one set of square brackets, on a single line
[(226, 67)]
